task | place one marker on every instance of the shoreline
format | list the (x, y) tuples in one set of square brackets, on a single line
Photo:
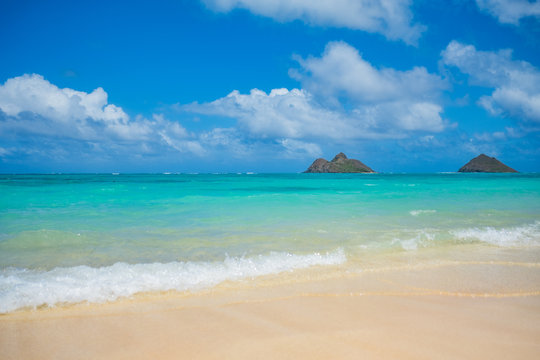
[(486, 308)]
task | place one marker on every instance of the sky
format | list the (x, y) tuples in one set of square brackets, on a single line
[(204, 86)]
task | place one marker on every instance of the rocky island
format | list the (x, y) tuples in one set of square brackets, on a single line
[(339, 164), (484, 163)]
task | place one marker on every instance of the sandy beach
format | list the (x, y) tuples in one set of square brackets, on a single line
[(270, 179), (451, 308)]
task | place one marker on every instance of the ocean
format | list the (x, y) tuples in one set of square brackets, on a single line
[(96, 238)]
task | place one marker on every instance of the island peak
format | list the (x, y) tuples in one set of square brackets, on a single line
[(339, 156), (486, 164), (339, 164)]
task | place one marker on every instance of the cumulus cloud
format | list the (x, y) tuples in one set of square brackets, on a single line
[(392, 18), (281, 113), (510, 11), (397, 117), (516, 83), (42, 121), (33, 94), (343, 98), (341, 70), (383, 98), (32, 107)]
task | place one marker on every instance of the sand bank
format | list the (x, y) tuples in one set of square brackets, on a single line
[(456, 308)]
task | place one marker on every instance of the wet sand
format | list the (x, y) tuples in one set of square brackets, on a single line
[(458, 309)]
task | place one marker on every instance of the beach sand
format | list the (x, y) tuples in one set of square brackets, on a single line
[(452, 308)]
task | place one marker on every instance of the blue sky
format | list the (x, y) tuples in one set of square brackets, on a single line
[(267, 85)]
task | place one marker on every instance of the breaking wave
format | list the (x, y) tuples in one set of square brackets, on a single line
[(525, 235), (24, 288)]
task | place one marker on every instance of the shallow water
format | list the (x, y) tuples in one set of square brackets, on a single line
[(72, 238)]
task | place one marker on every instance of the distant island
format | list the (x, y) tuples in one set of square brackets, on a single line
[(339, 164), (486, 164)]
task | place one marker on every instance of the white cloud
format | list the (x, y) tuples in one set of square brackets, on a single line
[(32, 106), (344, 98), (421, 116), (295, 147), (41, 120), (279, 114), (510, 11), (516, 83), (395, 119), (383, 98), (32, 93), (341, 70), (228, 140), (392, 18), (80, 114)]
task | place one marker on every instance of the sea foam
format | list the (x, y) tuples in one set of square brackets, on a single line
[(420, 212), (526, 235), (24, 288), (422, 239)]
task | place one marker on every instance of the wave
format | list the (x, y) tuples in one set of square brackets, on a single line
[(25, 288), (526, 235), (421, 239), (420, 212)]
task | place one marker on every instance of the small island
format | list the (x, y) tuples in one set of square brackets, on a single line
[(486, 164), (339, 164)]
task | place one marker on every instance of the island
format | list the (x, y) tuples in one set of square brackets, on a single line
[(339, 164), (486, 164)]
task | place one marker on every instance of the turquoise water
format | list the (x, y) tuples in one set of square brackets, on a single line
[(71, 238)]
